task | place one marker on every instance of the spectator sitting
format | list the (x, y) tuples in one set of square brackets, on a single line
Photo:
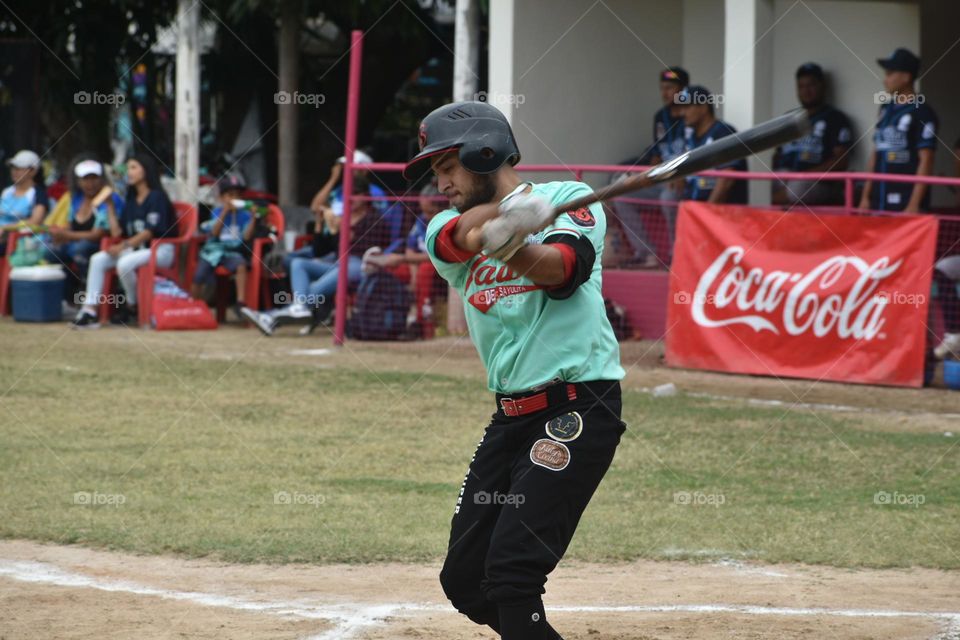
[(87, 221), (146, 215), (668, 143), (905, 139), (703, 128), (24, 201), (331, 195), (824, 149), (229, 243), (314, 280), (424, 277), (946, 274)]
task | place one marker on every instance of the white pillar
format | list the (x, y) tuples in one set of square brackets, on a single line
[(466, 68), (748, 75), (186, 141), (500, 78)]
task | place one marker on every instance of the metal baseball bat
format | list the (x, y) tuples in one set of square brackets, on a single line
[(766, 135)]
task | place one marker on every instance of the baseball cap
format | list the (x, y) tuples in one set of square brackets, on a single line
[(88, 168), (231, 181), (359, 157), (694, 94), (901, 60), (24, 159), (675, 74), (810, 69)]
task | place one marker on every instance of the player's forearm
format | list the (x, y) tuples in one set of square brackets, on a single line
[(541, 263), (470, 220)]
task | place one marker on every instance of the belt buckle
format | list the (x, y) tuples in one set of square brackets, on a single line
[(509, 407)]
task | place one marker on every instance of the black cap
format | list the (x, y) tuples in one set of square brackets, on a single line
[(810, 69), (675, 74), (901, 60), (231, 181)]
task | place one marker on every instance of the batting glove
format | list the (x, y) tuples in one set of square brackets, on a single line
[(520, 215)]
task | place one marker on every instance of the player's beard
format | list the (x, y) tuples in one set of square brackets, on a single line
[(482, 191)]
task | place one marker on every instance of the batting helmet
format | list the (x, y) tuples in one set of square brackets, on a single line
[(478, 130)]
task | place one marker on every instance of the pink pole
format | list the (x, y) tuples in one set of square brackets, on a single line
[(353, 105)]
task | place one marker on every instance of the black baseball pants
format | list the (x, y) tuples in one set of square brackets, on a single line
[(521, 500)]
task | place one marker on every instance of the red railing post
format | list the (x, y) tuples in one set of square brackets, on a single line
[(353, 105)]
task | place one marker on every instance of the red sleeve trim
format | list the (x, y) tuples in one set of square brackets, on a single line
[(569, 256), (446, 249)]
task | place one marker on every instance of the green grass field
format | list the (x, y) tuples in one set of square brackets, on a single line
[(259, 459)]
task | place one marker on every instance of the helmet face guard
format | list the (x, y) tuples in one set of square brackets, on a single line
[(478, 131)]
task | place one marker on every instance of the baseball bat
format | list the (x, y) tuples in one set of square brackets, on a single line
[(739, 145)]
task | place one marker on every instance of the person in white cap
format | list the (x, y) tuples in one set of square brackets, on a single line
[(26, 199), (330, 196), (146, 215)]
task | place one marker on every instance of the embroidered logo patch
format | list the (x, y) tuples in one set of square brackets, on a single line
[(583, 218), (565, 428), (550, 454)]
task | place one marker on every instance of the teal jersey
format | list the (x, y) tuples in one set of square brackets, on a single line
[(524, 337)]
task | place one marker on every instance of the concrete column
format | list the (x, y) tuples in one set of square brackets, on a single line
[(748, 75)]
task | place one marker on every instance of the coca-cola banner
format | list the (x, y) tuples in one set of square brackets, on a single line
[(828, 297)]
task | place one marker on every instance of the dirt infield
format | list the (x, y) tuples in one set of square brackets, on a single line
[(69, 592)]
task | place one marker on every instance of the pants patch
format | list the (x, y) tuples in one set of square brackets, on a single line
[(565, 428), (550, 454)]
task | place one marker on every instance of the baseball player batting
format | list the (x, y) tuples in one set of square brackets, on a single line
[(526, 259), (536, 315)]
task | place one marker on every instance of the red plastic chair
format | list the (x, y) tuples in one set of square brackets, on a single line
[(186, 228), (258, 276), (12, 238)]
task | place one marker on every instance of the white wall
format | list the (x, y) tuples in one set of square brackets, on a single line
[(845, 38), (587, 75), (703, 25)]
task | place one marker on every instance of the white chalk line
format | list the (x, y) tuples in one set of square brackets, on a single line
[(349, 619), (843, 408)]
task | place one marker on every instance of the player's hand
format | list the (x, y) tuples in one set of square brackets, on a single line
[(336, 171), (519, 216), (57, 234)]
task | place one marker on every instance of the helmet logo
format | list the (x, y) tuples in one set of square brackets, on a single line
[(422, 136)]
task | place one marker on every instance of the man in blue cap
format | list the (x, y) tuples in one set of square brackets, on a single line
[(904, 141)]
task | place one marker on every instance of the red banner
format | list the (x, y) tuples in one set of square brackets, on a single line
[(828, 297)]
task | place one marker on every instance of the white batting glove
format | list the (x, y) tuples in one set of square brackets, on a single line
[(520, 215)]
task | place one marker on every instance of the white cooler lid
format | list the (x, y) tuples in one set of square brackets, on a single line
[(40, 273)]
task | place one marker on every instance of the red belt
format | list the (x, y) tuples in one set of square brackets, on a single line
[(531, 404)]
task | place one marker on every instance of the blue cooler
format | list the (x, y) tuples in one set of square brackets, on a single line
[(37, 293)]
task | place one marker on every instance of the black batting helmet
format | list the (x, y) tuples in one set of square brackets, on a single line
[(478, 130)]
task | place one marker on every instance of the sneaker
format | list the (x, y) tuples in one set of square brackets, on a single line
[(85, 320), (262, 321), (295, 311), (949, 347)]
